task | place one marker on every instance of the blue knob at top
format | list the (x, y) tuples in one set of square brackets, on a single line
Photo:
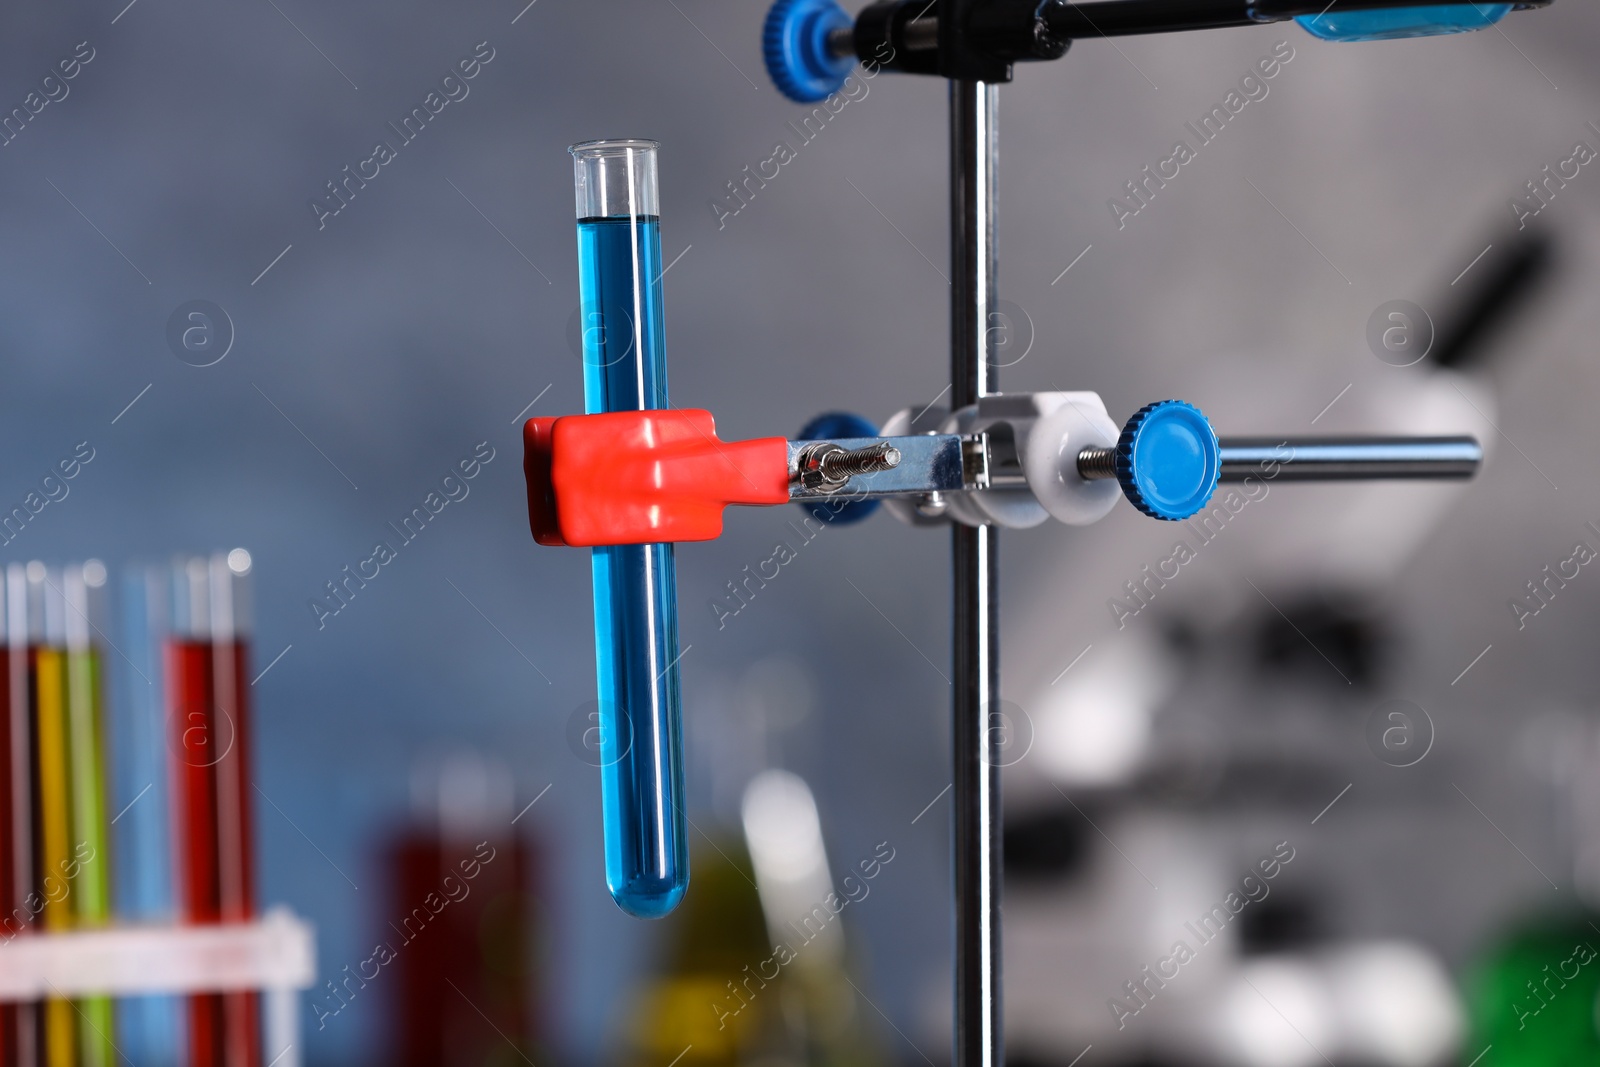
[(1168, 460), (794, 42), (1393, 23)]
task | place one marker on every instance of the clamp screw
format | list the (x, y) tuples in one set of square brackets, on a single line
[(1097, 463), (827, 466)]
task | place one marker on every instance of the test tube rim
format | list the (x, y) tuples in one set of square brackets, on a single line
[(612, 146)]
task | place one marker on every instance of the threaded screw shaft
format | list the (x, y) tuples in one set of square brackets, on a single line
[(1097, 463), (844, 464)]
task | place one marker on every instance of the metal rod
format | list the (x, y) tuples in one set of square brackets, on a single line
[(976, 631), (1120, 18), (1317, 459), (868, 468)]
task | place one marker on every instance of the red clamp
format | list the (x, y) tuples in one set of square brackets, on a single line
[(642, 477)]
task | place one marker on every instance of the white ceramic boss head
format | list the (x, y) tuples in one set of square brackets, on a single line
[(1049, 429), (1075, 421)]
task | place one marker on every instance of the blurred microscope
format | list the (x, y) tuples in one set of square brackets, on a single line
[(1192, 878)]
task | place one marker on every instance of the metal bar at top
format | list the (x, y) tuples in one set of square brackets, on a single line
[(1315, 459), (1121, 18), (979, 1040)]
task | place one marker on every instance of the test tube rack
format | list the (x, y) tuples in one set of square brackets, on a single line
[(168, 907), (275, 955)]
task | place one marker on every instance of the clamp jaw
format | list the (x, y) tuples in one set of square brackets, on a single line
[(642, 477), (1015, 460)]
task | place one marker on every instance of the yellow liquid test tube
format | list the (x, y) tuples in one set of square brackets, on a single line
[(55, 834), (91, 883)]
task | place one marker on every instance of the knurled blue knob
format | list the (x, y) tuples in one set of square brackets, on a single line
[(1168, 460), (794, 42)]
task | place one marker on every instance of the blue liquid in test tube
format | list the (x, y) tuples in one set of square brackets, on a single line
[(635, 586), (1399, 22)]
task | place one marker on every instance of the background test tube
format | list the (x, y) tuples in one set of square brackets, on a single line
[(635, 586), (147, 1027), (20, 1023), (82, 586), (52, 759), (206, 683)]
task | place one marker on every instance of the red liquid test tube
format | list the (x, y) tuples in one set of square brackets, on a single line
[(208, 688)]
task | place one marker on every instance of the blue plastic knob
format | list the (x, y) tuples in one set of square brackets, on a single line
[(794, 42), (1403, 22), (835, 426), (1168, 460)]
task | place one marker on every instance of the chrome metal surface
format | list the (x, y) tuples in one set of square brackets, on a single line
[(841, 464), (979, 1040), (842, 42), (995, 463), (827, 466), (927, 463), (1317, 459), (1097, 463), (933, 506)]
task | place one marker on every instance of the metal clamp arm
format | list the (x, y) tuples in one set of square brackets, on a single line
[(870, 467), (1167, 461), (663, 476)]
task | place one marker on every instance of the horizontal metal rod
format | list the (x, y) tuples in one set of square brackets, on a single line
[(1121, 18), (1319, 459), (1126, 18), (932, 463)]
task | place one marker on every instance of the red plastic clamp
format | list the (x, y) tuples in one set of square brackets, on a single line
[(643, 477)]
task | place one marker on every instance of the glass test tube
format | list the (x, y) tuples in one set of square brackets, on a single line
[(55, 865), (19, 1023), (82, 589), (207, 685), (635, 586), (1393, 23), (148, 1026)]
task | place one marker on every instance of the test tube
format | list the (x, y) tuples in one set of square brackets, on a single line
[(19, 899), (55, 865), (147, 1026), (635, 586), (206, 686), (229, 588), (82, 586)]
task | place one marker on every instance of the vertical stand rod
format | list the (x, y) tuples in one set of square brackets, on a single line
[(976, 631)]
